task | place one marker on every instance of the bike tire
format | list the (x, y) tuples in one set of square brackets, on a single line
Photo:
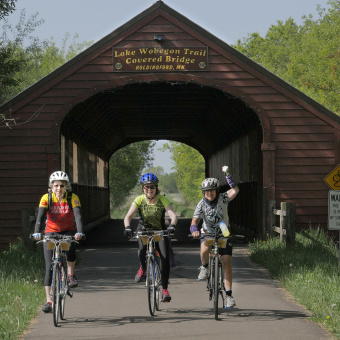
[(221, 285), (64, 288), (150, 285), (158, 283), (56, 293), (210, 280), (216, 284)]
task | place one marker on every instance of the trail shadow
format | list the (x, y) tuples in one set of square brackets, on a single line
[(186, 315)]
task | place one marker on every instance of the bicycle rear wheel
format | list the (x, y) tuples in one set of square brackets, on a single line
[(150, 285), (56, 293), (64, 289), (216, 286)]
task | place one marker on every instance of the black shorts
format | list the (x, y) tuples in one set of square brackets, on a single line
[(228, 250)]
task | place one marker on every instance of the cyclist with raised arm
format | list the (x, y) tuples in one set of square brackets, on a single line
[(151, 208), (59, 207), (213, 209)]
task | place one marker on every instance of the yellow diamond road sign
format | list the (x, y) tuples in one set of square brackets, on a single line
[(333, 178)]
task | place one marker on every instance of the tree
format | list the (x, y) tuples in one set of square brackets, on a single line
[(6, 7), (167, 182), (306, 56), (28, 59), (189, 170), (126, 166)]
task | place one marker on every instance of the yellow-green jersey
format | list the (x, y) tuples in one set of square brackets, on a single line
[(152, 215)]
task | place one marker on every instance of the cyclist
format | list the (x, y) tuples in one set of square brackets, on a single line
[(213, 208), (59, 207), (151, 208)]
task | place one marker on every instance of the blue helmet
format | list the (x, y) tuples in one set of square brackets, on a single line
[(148, 178)]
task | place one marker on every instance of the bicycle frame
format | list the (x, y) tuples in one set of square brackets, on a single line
[(60, 286), (153, 272), (215, 281)]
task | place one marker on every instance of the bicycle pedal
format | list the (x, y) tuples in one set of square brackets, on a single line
[(70, 294)]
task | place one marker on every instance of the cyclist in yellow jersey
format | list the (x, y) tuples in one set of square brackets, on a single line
[(60, 208), (151, 208)]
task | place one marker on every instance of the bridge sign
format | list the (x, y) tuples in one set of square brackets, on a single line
[(333, 178)]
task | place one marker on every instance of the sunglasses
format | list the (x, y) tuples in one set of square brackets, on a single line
[(151, 187), (58, 185)]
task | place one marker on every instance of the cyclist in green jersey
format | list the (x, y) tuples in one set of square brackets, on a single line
[(152, 208)]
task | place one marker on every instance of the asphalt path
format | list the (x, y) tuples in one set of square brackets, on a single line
[(108, 304)]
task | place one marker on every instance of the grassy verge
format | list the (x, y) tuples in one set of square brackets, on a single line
[(309, 271), (21, 286)]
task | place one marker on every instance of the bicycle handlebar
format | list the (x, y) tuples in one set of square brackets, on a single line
[(57, 237), (218, 236), (152, 232)]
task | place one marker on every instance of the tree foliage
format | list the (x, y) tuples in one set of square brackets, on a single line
[(24, 59), (307, 56), (126, 166), (189, 170), (167, 182), (6, 7)]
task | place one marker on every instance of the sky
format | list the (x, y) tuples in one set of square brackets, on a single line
[(228, 20)]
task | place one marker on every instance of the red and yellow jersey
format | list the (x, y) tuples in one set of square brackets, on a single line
[(59, 216)]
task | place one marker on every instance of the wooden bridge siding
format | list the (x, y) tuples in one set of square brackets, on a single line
[(304, 156)]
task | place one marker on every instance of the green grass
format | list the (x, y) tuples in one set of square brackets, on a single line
[(309, 271), (21, 287)]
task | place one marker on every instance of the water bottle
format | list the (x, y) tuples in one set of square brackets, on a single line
[(224, 228)]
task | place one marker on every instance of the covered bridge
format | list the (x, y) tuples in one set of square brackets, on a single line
[(161, 76)]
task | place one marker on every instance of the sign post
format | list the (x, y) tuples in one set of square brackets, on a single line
[(333, 180)]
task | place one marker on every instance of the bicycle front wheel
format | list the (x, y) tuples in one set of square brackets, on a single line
[(56, 293), (158, 283), (64, 288), (150, 285), (216, 286)]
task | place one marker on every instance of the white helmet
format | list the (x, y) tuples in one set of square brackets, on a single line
[(210, 184), (59, 176)]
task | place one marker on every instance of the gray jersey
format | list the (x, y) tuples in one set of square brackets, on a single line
[(212, 216)]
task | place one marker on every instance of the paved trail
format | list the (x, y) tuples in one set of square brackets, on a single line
[(109, 305)]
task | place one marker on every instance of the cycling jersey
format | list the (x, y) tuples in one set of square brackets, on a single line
[(152, 215), (60, 217), (213, 213)]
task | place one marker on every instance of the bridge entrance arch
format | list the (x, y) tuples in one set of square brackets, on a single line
[(183, 108)]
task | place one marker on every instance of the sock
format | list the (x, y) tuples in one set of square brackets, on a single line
[(206, 265), (228, 292)]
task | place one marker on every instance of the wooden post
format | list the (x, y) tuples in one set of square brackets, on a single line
[(290, 224), (283, 221)]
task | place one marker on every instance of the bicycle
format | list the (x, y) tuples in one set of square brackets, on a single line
[(60, 285), (215, 281), (153, 266)]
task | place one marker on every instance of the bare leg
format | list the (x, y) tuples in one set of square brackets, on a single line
[(48, 295), (228, 271), (205, 253), (70, 267)]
